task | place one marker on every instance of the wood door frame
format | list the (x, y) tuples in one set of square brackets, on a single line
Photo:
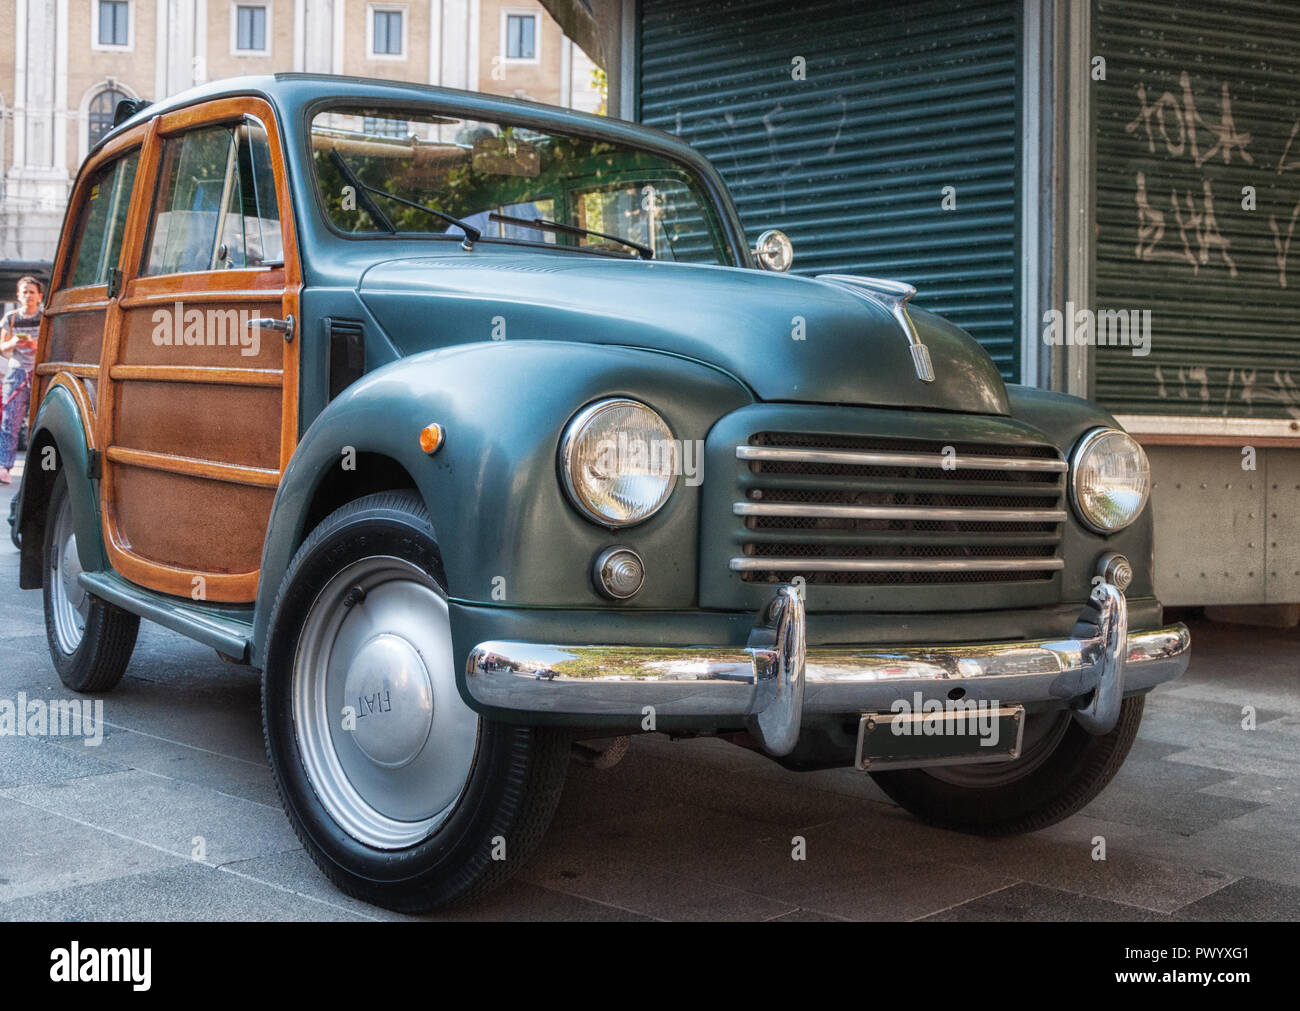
[(140, 291), (62, 300)]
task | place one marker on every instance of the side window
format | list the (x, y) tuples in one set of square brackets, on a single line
[(102, 222), (217, 203)]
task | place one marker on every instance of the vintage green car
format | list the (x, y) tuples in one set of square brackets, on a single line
[(480, 430)]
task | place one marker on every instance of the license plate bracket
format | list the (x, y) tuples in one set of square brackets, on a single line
[(951, 736)]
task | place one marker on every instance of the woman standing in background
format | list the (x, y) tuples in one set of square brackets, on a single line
[(18, 330)]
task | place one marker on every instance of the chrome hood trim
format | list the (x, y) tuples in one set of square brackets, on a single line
[(892, 296)]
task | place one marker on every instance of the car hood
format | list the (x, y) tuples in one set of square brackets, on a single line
[(788, 338)]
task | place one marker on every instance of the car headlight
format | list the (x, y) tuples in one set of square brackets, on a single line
[(618, 461), (1110, 480)]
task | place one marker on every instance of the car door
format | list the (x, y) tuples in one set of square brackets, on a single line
[(199, 413)]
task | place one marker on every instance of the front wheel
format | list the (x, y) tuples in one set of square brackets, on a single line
[(1062, 767), (402, 795)]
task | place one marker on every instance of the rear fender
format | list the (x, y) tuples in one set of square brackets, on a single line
[(60, 425)]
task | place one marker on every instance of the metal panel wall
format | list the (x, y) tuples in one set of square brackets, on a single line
[(843, 123), (1226, 535), (1198, 195)]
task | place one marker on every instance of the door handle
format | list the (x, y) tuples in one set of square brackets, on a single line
[(284, 326)]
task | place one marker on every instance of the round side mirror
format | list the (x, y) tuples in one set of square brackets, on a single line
[(774, 251)]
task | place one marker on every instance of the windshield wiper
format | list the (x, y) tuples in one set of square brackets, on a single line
[(371, 208), (546, 225), (472, 234)]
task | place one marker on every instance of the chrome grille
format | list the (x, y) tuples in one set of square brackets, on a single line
[(853, 510)]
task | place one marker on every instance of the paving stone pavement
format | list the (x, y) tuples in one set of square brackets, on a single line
[(174, 815)]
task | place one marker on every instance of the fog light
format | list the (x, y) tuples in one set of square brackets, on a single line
[(618, 573), (1115, 569)]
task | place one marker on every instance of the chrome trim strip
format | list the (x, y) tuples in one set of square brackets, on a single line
[(751, 563), (849, 512), (845, 457)]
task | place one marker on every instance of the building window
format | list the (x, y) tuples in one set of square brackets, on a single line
[(114, 23), (250, 29), (100, 115), (521, 37), (387, 30), (374, 127)]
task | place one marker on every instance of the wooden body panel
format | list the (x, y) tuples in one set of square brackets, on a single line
[(203, 421), (76, 337), (207, 331), (155, 514)]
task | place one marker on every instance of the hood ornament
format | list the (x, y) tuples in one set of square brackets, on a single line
[(892, 296)]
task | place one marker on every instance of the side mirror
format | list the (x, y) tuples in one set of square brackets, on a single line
[(774, 251)]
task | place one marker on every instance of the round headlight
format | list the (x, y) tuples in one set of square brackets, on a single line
[(1110, 480), (618, 460)]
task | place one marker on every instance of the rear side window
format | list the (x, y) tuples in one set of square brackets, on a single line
[(103, 220), (217, 203)]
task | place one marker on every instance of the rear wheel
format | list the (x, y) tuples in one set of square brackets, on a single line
[(1062, 767), (90, 641), (403, 796)]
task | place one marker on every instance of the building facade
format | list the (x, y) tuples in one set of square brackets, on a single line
[(1105, 193), (65, 64)]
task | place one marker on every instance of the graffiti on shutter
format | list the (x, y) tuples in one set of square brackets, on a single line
[(1198, 196)]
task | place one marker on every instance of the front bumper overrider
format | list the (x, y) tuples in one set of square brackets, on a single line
[(771, 683)]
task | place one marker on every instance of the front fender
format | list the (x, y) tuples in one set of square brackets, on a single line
[(508, 535), (59, 423)]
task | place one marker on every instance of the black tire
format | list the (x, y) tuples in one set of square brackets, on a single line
[(516, 776), (100, 658), (1074, 767)]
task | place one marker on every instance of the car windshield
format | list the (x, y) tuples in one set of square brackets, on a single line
[(381, 171)]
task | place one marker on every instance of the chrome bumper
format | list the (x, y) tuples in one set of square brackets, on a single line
[(771, 683)]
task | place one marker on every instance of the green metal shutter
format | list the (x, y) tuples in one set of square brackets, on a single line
[(1172, 233), (899, 101)]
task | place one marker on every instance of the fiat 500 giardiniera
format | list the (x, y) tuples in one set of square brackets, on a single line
[(479, 429)]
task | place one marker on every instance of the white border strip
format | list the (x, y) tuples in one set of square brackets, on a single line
[(1172, 424)]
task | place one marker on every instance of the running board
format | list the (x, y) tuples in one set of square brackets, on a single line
[(226, 633)]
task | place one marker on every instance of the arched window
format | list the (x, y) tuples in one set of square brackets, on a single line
[(102, 107)]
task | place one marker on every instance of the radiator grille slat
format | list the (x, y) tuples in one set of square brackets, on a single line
[(851, 510)]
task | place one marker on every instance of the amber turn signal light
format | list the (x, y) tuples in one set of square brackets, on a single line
[(432, 437)]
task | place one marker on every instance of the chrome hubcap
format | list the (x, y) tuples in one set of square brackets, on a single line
[(70, 602), (394, 700), (384, 735)]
